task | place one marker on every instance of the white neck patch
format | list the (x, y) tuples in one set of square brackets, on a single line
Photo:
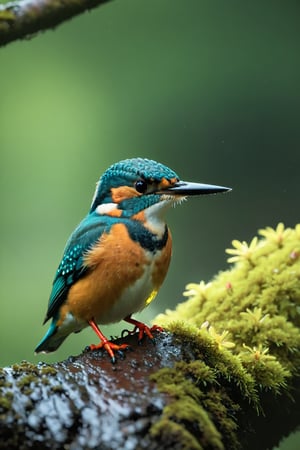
[(155, 216), (105, 208)]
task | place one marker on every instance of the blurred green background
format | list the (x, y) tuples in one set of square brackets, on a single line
[(209, 88)]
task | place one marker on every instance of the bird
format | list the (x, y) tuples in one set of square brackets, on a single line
[(117, 258)]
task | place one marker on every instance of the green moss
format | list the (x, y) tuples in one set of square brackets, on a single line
[(166, 428), (243, 328), (26, 380), (25, 366), (58, 388), (21, 378), (48, 370), (6, 18), (198, 404), (6, 401), (5, 384)]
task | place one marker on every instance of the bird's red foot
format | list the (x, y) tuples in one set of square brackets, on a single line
[(105, 343), (141, 328)]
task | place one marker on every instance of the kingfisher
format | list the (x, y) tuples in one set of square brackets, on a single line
[(117, 258)]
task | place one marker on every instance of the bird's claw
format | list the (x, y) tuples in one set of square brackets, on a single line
[(126, 332), (142, 329), (110, 348)]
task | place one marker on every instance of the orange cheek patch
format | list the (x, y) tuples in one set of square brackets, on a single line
[(162, 264), (164, 184), (115, 213), (116, 262), (122, 193)]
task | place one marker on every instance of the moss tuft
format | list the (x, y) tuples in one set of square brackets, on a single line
[(6, 401), (244, 330)]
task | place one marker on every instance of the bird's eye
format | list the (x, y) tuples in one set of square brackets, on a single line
[(141, 186)]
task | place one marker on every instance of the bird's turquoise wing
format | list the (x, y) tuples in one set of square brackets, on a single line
[(71, 267)]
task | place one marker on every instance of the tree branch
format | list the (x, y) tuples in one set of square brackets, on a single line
[(86, 402), (22, 19)]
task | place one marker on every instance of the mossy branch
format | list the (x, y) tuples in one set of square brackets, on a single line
[(24, 18), (224, 374)]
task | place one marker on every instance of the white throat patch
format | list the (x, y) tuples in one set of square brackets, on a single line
[(155, 215)]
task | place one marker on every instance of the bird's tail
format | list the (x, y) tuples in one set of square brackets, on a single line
[(52, 339)]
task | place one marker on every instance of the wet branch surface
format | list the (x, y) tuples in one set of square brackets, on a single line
[(87, 402), (25, 18)]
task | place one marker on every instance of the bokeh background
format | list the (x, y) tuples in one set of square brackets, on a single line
[(209, 88)]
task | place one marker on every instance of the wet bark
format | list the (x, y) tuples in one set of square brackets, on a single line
[(87, 402)]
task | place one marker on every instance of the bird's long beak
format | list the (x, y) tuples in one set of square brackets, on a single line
[(184, 188)]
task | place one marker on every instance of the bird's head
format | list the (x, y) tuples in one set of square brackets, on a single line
[(142, 186)]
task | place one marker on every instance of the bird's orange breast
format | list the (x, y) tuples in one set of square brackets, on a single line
[(120, 270)]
